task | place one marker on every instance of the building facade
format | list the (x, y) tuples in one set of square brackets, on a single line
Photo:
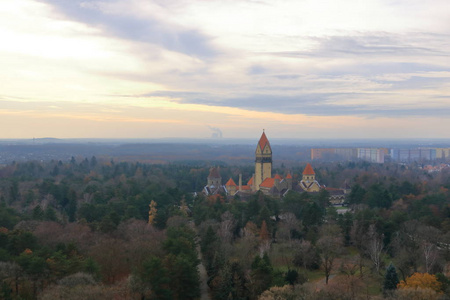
[(410, 155), (375, 155)]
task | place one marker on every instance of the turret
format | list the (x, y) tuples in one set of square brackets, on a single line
[(308, 174), (214, 178)]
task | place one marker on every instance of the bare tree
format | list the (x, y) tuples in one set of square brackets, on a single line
[(141, 241), (330, 246), (306, 255), (227, 227), (264, 237), (430, 254), (406, 244), (110, 254), (429, 237), (374, 247), (289, 223)]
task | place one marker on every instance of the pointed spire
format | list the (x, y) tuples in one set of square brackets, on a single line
[(263, 141), (308, 170), (230, 182)]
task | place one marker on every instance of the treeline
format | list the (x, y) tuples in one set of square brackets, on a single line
[(81, 229)]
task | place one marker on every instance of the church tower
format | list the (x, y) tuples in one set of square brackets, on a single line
[(308, 174), (263, 162), (214, 178)]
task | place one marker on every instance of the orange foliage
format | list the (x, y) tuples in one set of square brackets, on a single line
[(212, 199), (421, 280)]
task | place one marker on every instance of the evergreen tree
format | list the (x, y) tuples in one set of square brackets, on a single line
[(155, 274), (323, 198), (209, 249), (390, 279), (356, 195), (90, 266), (312, 215), (72, 209), (50, 214), (93, 162), (38, 213), (223, 283), (291, 276), (264, 216), (183, 277), (261, 275)]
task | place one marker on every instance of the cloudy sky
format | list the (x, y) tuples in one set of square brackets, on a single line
[(184, 68)]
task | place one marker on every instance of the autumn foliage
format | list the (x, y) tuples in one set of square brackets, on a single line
[(421, 280)]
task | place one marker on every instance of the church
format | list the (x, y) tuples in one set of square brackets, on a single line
[(262, 180)]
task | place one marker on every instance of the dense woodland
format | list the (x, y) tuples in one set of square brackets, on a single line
[(89, 229)]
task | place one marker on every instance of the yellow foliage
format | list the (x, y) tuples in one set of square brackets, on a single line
[(152, 212), (184, 208), (421, 280)]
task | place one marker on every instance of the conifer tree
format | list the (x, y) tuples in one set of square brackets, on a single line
[(156, 276), (390, 279)]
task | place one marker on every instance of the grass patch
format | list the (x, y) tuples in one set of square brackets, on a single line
[(314, 275)]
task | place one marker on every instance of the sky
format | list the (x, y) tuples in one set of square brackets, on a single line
[(230, 68)]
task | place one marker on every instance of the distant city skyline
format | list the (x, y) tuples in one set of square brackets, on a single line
[(200, 69)]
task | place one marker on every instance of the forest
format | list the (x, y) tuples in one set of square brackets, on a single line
[(90, 228)]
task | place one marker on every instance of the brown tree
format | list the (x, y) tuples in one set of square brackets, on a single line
[(110, 255), (330, 245)]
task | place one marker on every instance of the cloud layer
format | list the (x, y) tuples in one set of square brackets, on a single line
[(243, 61)]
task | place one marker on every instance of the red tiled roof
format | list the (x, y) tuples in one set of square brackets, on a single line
[(277, 176), (268, 182), (250, 182), (230, 182), (289, 176), (263, 141), (308, 170), (246, 187), (332, 189)]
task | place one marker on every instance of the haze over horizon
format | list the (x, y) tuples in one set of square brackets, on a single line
[(195, 69)]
